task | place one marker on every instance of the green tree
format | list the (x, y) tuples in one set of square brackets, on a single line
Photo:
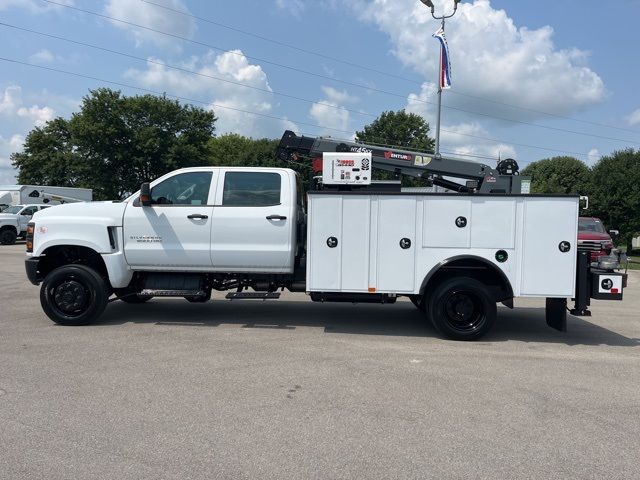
[(48, 157), (400, 129), (116, 142), (615, 193), (236, 150), (558, 175)]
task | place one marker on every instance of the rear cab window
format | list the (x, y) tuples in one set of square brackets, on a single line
[(251, 189)]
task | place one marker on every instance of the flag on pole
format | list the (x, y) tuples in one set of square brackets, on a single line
[(445, 63)]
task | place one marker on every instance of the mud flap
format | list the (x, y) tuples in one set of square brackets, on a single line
[(556, 313)]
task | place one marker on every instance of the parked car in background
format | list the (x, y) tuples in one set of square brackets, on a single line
[(594, 238), (14, 220)]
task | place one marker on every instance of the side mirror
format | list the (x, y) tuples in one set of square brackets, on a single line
[(614, 233), (145, 194)]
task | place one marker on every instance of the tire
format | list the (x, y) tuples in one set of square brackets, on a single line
[(7, 237), (74, 295), (462, 308)]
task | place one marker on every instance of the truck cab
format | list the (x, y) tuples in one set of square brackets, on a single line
[(14, 220), (214, 219)]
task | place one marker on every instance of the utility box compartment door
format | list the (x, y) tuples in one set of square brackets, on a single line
[(550, 225), (325, 223), (339, 233), (493, 222), (446, 222), (396, 246)]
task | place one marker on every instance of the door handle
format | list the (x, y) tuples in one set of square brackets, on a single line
[(276, 217), (197, 216)]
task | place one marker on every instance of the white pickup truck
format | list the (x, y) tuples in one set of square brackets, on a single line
[(245, 230), (14, 220)]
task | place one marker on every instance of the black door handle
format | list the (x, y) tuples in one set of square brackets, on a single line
[(197, 216), (276, 217)]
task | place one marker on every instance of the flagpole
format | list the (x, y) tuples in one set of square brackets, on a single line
[(430, 5), (439, 101)]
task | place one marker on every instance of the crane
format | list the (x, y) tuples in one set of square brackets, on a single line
[(480, 178)]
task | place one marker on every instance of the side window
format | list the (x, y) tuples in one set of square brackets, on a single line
[(28, 211), (190, 188), (251, 189), (44, 206)]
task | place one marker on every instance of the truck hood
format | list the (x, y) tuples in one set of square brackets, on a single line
[(593, 236), (107, 213)]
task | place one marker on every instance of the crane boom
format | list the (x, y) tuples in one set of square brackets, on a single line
[(480, 178)]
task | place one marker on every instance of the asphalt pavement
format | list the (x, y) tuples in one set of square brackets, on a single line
[(292, 389)]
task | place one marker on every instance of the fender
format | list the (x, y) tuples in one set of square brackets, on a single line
[(443, 263)]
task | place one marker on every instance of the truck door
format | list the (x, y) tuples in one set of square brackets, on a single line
[(253, 222), (25, 217), (174, 232)]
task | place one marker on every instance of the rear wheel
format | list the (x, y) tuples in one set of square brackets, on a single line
[(7, 237), (462, 309), (74, 295)]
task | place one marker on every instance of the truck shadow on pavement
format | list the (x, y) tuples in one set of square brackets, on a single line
[(401, 319)]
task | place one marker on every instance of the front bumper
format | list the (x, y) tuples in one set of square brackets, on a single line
[(31, 266)]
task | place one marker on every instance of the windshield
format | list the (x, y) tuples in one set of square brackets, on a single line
[(590, 225), (14, 209)]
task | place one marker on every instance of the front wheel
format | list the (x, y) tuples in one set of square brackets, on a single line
[(74, 295), (462, 309), (7, 237)]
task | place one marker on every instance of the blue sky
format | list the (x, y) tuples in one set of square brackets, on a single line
[(530, 79)]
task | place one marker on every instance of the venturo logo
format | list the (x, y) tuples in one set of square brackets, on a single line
[(398, 156)]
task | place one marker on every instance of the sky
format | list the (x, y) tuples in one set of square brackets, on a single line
[(531, 80)]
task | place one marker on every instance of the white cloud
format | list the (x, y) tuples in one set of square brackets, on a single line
[(11, 99), (39, 115), (327, 114), (295, 7), (593, 156), (7, 147), (231, 66), (12, 106), (633, 118), (152, 17), (18, 115), (492, 58), (42, 56), (464, 138), (33, 6)]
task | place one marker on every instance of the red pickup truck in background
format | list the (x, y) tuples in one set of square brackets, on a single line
[(593, 237)]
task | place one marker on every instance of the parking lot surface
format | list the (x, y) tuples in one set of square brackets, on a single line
[(293, 389)]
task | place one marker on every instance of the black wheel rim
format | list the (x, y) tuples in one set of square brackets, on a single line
[(464, 311), (70, 297)]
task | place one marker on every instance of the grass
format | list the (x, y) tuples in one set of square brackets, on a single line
[(634, 260)]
